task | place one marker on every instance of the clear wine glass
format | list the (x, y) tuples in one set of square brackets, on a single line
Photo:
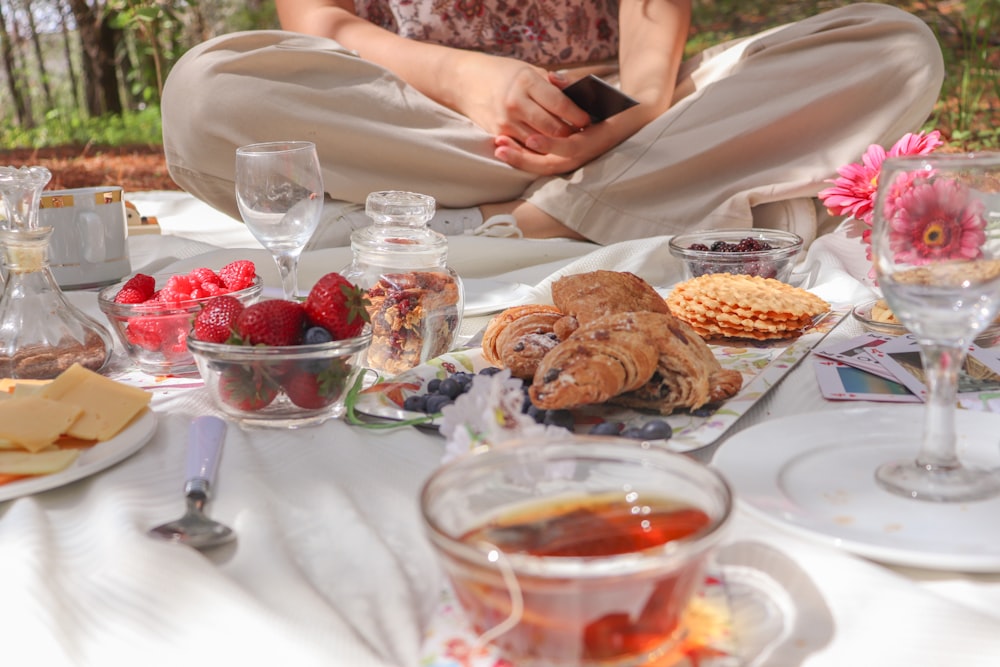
[(937, 259), (279, 190)]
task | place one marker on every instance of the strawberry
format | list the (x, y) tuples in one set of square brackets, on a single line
[(238, 275), (136, 289), (271, 322), (312, 388), (216, 321), (337, 305), (246, 388)]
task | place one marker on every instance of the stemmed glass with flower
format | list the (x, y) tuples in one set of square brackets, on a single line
[(939, 270), (279, 191)]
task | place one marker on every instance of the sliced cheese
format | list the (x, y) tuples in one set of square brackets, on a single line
[(35, 422), (42, 463), (107, 406)]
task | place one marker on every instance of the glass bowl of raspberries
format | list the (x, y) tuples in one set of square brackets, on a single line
[(767, 253), (282, 363), (151, 315)]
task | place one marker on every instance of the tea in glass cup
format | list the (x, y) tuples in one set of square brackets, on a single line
[(582, 551)]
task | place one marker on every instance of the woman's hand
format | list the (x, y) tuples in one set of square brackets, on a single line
[(509, 98)]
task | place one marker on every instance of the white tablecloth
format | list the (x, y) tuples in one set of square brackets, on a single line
[(331, 566)]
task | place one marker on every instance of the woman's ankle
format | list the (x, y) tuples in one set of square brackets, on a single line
[(533, 221)]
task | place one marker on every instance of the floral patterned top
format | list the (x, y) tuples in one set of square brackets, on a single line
[(541, 32)]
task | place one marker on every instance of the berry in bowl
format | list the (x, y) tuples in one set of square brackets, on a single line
[(152, 314), (766, 253), (280, 363)]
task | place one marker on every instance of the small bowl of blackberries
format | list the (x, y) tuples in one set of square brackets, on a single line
[(768, 253)]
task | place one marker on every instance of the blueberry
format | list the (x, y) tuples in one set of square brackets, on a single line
[(656, 429), (536, 413), (633, 432), (562, 418), (316, 335), (415, 403), (449, 387), (703, 412), (435, 403), (605, 428), (464, 380), (432, 385), (490, 370)]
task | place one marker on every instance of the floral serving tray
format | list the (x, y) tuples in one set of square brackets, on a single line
[(762, 363)]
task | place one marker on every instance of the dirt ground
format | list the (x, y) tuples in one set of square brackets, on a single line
[(135, 168)]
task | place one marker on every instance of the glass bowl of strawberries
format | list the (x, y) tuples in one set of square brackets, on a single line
[(151, 315), (281, 363)]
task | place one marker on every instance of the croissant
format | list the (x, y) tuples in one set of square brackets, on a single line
[(687, 375), (646, 360), (584, 297), (519, 337)]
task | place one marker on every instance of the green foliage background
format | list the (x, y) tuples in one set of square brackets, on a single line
[(968, 112)]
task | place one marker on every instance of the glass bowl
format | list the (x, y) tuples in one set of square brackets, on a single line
[(776, 263), (281, 386), (154, 334), (579, 551)]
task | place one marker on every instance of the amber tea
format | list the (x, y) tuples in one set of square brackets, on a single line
[(603, 619)]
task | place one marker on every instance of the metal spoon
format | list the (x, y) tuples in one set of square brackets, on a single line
[(205, 437)]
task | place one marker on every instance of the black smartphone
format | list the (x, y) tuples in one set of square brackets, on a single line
[(598, 98)]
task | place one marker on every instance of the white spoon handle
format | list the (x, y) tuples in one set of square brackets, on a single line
[(205, 437)]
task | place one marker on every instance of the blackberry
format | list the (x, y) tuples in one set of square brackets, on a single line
[(700, 247)]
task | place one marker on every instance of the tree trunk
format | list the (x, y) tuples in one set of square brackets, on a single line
[(74, 84), (43, 74), (98, 42), (15, 83)]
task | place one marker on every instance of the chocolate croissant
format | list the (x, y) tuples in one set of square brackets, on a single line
[(584, 297), (646, 360), (519, 337)]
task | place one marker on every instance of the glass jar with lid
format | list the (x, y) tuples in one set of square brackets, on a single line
[(415, 299)]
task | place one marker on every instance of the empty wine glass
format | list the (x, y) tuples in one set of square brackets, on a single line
[(936, 255), (279, 190)]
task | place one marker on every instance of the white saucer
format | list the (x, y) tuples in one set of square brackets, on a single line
[(484, 296), (814, 474)]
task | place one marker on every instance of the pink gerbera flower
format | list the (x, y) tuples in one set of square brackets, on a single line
[(853, 191), (937, 220)]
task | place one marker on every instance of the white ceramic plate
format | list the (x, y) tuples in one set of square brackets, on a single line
[(814, 475), (484, 296), (93, 460)]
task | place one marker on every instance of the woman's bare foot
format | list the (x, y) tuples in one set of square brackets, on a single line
[(533, 222)]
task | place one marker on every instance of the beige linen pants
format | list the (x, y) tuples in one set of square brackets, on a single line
[(756, 127)]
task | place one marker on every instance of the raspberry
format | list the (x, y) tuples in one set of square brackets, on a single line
[(136, 289), (144, 332), (130, 295), (238, 275), (203, 275), (178, 288)]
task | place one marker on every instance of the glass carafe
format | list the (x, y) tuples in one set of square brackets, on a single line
[(41, 333), (416, 299)]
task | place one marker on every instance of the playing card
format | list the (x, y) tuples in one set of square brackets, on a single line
[(841, 382), (901, 357), (857, 352)]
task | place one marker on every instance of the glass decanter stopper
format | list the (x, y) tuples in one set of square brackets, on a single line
[(41, 333)]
